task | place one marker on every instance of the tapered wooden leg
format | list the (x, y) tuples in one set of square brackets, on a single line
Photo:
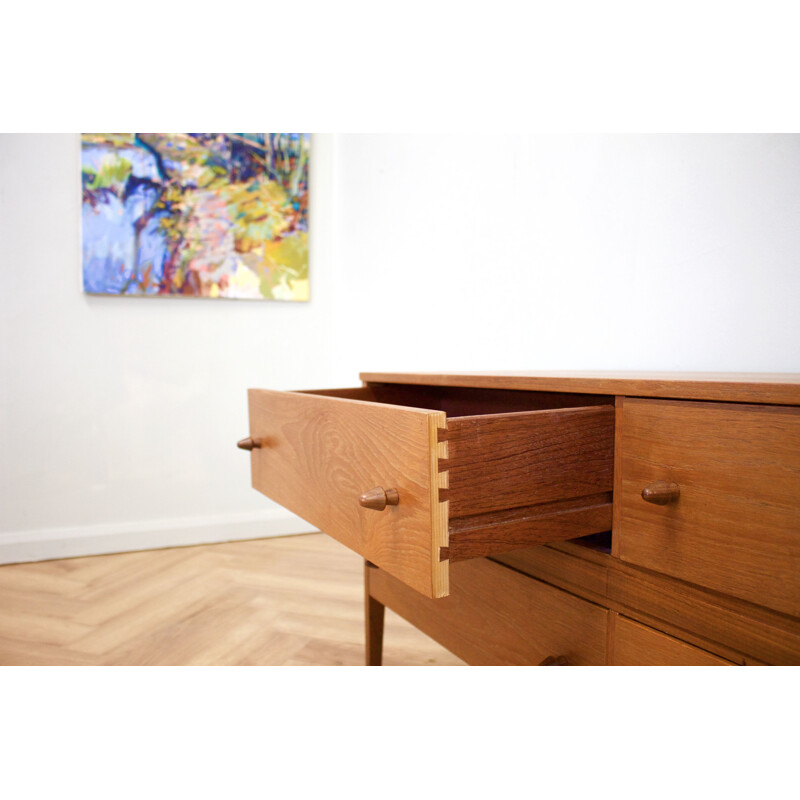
[(373, 621)]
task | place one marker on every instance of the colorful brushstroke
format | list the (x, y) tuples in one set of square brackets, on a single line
[(196, 214)]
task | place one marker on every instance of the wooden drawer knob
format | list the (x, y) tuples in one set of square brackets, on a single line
[(661, 493), (249, 443), (378, 498)]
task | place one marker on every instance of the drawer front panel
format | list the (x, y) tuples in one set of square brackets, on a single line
[(735, 526), (496, 616), (319, 454), (636, 645)]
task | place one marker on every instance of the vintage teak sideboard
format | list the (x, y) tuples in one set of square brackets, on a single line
[(555, 518)]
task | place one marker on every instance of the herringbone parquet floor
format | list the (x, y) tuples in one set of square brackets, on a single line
[(296, 600)]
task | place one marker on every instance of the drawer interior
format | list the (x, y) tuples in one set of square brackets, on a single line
[(458, 401), (517, 468)]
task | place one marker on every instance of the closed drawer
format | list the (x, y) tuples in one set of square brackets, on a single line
[(637, 645), (459, 473), (496, 616), (734, 524)]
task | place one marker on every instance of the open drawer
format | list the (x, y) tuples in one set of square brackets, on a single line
[(414, 477)]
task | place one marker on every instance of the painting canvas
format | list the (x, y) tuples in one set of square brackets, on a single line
[(219, 215)]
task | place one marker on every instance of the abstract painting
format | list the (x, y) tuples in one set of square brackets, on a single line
[(221, 215)]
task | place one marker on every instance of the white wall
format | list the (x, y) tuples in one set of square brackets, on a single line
[(574, 252), (120, 415)]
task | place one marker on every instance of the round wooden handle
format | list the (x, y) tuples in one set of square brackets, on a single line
[(378, 498), (248, 444), (661, 493)]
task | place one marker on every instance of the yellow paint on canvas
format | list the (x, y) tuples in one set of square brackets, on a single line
[(291, 253), (244, 283), (299, 289)]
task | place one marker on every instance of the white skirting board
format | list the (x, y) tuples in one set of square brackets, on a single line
[(49, 543)]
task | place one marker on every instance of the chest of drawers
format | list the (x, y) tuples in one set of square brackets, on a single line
[(556, 518)]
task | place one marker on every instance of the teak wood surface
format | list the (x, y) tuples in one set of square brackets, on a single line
[(502, 532), (320, 454), (496, 616), (734, 629), (735, 526), (502, 461), (526, 478), (737, 387), (634, 644), (496, 481), (374, 615), (714, 573)]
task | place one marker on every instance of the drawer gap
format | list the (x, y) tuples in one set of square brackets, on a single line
[(599, 542)]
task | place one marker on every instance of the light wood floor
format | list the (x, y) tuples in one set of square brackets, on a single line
[(297, 600)]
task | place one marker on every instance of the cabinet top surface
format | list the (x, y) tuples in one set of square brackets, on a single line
[(740, 387)]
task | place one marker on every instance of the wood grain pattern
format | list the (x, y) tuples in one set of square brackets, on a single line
[(611, 630), (502, 461), (728, 582), (734, 629), (638, 645), (573, 573), (374, 615), (297, 600), (502, 532), (740, 387), (496, 616), (736, 525), (324, 452), (459, 401), (619, 403)]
